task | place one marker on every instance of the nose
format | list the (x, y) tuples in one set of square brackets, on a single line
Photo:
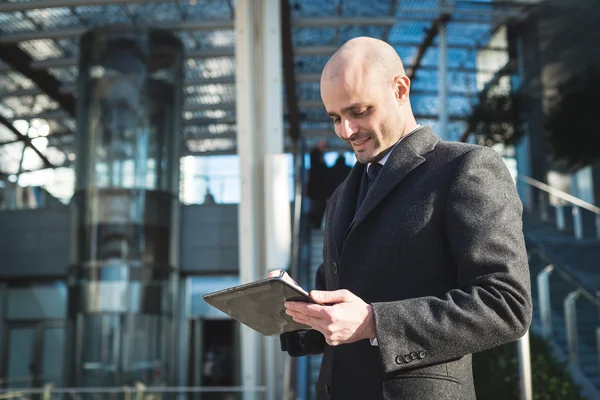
[(347, 129)]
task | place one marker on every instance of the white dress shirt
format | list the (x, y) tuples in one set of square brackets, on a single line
[(387, 155)]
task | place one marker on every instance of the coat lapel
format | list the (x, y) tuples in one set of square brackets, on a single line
[(346, 205), (407, 156)]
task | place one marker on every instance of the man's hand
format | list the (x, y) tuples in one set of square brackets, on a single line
[(345, 319)]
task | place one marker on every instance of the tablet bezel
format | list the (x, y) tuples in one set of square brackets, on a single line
[(269, 321), (256, 286)]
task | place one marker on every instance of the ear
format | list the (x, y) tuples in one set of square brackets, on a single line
[(401, 88)]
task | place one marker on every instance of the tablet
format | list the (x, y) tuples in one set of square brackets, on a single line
[(260, 305)]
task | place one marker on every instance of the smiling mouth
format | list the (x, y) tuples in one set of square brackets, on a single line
[(359, 143)]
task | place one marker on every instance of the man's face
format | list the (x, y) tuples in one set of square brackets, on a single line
[(365, 112)]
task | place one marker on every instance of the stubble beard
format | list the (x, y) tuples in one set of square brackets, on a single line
[(365, 157)]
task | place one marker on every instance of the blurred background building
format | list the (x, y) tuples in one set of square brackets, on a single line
[(155, 151)]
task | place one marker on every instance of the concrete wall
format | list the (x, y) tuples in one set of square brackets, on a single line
[(35, 242), (209, 238)]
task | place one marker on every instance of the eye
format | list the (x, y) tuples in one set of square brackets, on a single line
[(362, 113), (336, 120)]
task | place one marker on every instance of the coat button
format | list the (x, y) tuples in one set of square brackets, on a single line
[(422, 354), (399, 360), (336, 267)]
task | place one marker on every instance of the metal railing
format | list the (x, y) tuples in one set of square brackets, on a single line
[(545, 191), (137, 392), (578, 289)]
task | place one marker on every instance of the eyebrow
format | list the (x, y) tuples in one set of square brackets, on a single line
[(351, 107)]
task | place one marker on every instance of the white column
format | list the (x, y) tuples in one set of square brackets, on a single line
[(442, 86), (260, 147)]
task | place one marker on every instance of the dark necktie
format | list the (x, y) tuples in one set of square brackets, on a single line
[(372, 172)]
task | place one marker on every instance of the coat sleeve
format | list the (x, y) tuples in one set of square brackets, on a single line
[(491, 303), (305, 342)]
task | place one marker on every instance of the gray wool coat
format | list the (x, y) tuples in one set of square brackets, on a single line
[(437, 249)]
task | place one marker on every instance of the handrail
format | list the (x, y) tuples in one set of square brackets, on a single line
[(568, 275), (577, 203), (140, 388), (579, 289), (560, 194)]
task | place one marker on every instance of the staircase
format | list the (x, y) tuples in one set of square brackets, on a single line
[(576, 266)]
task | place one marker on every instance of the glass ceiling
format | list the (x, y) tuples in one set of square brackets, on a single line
[(50, 36)]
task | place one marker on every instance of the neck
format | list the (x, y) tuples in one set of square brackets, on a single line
[(409, 127)]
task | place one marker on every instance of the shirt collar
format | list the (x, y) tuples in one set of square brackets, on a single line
[(387, 155)]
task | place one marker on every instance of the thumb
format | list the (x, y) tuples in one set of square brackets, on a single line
[(330, 297)]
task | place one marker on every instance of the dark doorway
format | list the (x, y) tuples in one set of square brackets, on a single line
[(212, 354)]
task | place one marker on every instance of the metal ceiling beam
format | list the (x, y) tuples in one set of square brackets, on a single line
[(325, 22), (20, 61), (36, 4), (10, 142), (39, 4), (27, 141), (427, 42), (227, 106), (305, 132), (21, 92), (209, 121), (70, 33), (228, 80), (64, 62), (47, 115)]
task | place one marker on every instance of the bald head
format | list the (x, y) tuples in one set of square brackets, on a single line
[(366, 93), (365, 55)]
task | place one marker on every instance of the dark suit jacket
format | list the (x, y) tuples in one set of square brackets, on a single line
[(437, 249)]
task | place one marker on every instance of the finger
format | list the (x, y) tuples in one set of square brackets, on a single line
[(312, 310), (298, 317), (274, 274), (331, 297)]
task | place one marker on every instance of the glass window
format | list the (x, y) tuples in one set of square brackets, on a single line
[(52, 355), (20, 356), (38, 301), (216, 179), (201, 285)]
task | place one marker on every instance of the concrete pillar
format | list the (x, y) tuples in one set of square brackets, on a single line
[(264, 211)]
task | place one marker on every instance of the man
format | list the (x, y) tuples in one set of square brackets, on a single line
[(425, 263), (338, 173)]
